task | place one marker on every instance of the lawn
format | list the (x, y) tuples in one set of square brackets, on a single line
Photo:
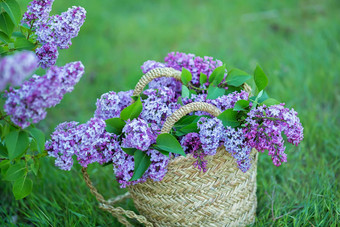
[(295, 42)]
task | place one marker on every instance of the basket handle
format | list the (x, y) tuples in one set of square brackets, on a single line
[(117, 212), (186, 109), (165, 72), (153, 74)]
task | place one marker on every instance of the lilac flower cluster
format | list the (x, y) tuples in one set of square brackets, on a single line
[(235, 144), (16, 68), (55, 31), (111, 104), (138, 135), (89, 142), (210, 132), (264, 127), (37, 12), (123, 166), (191, 143), (158, 105), (195, 64), (60, 29), (29, 103), (178, 60)]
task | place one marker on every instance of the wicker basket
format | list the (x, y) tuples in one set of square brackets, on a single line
[(222, 196)]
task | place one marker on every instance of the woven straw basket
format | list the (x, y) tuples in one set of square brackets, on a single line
[(222, 196)]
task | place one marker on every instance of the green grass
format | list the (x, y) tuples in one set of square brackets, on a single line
[(295, 42)]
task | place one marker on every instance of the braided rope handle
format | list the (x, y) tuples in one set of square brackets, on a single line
[(186, 109), (119, 212)]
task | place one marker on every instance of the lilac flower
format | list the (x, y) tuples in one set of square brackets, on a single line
[(194, 64), (60, 29), (89, 142), (235, 144), (29, 103), (47, 54), (210, 133), (123, 166), (149, 65), (15, 68), (159, 105), (111, 104), (37, 12), (191, 143), (138, 135), (264, 127)]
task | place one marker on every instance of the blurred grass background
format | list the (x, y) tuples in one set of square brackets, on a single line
[(295, 42)]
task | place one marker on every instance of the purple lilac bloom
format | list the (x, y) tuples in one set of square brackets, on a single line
[(159, 104), (60, 29), (234, 143), (210, 133), (111, 104), (16, 68), (29, 103), (171, 83), (138, 135), (47, 54), (196, 65), (264, 127), (89, 142), (123, 166), (191, 143), (37, 12)]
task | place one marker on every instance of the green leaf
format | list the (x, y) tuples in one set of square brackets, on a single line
[(6, 24), (142, 163), (184, 121), (215, 92), (270, 102), (232, 89), (16, 143), (185, 92), (35, 167), (187, 129), (3, 151), (186, 76), (39, 138), (23, 44), (15, 172), (169, 143), (241, 105), (22, 187), (217, 75), (229, 118), (166, 153), (132, 111), (237, 77), (13, 10), (260, 78), (4, 38), (129, 151), (115, 125), (203, 78), (263, 97)]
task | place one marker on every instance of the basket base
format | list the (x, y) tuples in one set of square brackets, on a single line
[(222, 196)]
